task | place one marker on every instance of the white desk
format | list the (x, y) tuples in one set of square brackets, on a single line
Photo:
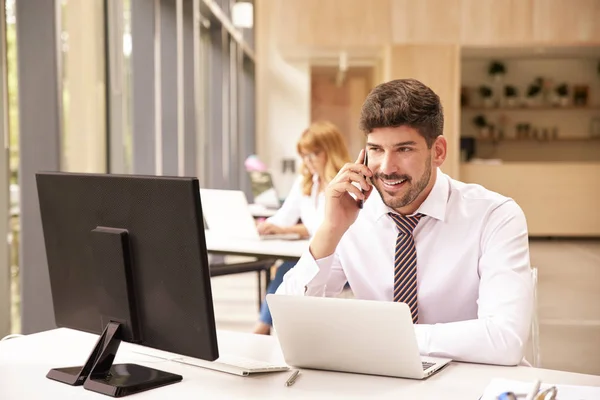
[(24, 363), (284, 249)]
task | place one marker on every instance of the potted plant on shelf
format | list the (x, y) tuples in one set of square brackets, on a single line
[(483, 127), (486, 94), (510, 93), (497, 70), (562, 93), (534, 92)]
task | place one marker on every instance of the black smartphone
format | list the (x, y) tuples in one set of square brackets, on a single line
[(365, 162)]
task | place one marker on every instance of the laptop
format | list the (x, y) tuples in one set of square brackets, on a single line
[(263, 190), (349, 335), (226, 212)]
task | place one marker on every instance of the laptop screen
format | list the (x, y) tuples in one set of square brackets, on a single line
[(263, 189)]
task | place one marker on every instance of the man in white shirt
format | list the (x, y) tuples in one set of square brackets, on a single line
[(456, 253)]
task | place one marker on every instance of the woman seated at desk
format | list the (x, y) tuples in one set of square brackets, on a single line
[(323, 154)]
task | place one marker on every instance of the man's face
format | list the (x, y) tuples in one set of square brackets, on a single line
[(403, 166)]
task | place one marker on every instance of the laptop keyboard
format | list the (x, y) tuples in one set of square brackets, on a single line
[(427, 365)]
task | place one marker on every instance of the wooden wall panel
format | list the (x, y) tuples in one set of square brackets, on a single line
[(496, 22), (437, 66), (425, 21), (544, 191), (566, 21), (332, 23), (336, 25)]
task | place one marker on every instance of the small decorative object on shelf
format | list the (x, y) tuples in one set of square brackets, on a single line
[(595, 127), (497, 70), (484, 131), (580, 95), (522, 131), (510, 94), (545, 134), (465, 96), (534, 92), (486, 94), (562, 93)]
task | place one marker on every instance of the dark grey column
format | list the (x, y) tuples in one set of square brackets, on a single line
[(39, 149), (189, 112), (247, 124), (142, 64), (217, 61), (168, 75)]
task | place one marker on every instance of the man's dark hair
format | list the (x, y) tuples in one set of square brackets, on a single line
[(404, 102)]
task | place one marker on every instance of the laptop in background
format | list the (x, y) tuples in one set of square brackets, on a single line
[(226, 212), (263, 190), (349, 335)]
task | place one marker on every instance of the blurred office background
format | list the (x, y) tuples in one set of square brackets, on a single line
[(193, 87)]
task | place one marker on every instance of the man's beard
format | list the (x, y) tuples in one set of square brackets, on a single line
[(414, 190)]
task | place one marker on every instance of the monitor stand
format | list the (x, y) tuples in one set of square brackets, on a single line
[(118, 380), (112, 255)]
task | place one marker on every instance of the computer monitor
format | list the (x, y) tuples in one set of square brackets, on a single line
[(127, 259)]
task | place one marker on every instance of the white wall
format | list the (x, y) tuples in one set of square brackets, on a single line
[(283, 99)]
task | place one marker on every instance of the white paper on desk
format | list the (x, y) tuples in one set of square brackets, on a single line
[(565, 392)]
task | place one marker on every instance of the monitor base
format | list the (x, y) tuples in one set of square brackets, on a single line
[(101, 376)]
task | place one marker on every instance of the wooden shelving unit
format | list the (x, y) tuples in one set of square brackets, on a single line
[(559, 139), (545, 108)]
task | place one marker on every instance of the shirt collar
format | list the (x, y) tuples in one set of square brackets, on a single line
[(434, 205)]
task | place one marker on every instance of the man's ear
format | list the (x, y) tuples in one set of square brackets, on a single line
[(440, 147)]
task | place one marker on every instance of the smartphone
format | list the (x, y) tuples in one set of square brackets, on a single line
[(365, 162)]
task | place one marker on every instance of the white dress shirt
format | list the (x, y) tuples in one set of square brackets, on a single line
[(298, 206), (475, 293)]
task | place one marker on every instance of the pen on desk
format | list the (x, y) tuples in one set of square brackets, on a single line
[(292, 378)]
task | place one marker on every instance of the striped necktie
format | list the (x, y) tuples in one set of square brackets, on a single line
[(405, 263)]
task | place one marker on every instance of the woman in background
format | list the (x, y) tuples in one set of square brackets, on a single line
[(323, 154)]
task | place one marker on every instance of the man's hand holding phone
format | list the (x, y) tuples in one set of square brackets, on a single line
[(342, 205)]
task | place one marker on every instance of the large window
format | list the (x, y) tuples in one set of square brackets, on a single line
[(10, 112), (83, 84), (121, 86), (231, 122)]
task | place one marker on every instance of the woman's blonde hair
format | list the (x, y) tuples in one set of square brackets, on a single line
[(322, 136)]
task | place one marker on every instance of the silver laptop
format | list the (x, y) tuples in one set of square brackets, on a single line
[(226, 212), (348, 335), (263, 189)]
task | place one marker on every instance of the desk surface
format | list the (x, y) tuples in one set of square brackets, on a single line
[(286, 249), (25, 361)]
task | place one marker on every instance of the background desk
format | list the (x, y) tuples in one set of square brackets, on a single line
[(25, 361), (283, 249)]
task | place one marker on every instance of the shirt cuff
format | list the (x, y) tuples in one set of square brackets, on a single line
[(423, 334), (308, 277), (317, 286)]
